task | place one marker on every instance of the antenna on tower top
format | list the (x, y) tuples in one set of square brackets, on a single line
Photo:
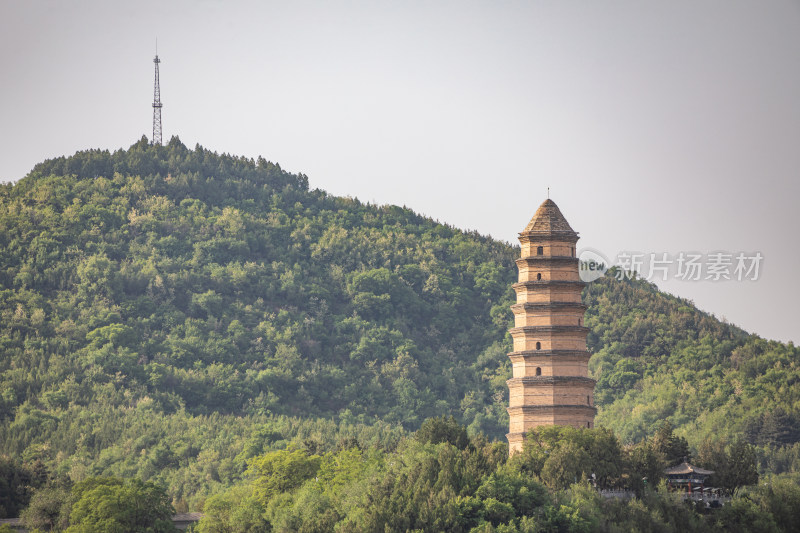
[(157, 103), (548, 193)]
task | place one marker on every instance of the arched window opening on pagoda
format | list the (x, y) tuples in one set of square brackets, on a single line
[(588, 425), (539, 276), (588, 401), (538, 371), (538, 345), (539, 250)]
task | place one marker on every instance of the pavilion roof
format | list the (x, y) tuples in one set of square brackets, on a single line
[(686, 468)]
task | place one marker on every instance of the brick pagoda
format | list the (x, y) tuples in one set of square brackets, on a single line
[(550, 383)]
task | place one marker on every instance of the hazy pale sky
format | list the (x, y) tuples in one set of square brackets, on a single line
[(660, 127)]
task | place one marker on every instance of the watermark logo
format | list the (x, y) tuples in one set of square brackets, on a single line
[(592, 265), (682, 266)]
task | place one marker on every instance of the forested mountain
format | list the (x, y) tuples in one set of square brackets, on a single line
[(171, 313)]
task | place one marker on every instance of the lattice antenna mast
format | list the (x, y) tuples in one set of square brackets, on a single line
[(157, 105)]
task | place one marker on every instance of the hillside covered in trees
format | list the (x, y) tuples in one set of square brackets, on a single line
[(170, 314)]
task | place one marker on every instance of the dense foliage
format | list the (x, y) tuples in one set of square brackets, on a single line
[(100, 505), (441, 480), (170, 314), (657, 358)]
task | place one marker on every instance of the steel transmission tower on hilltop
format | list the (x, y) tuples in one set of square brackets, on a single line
[(157, 106)]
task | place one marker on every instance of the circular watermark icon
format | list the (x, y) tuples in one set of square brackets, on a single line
[(592, 264)]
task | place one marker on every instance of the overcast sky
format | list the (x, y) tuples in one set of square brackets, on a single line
[(660, 127)]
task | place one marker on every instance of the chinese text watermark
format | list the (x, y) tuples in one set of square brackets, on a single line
[(663, 266)]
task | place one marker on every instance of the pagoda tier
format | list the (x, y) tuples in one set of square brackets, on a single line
[(550, 383)]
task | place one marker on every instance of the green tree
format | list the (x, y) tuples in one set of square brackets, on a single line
[(107, 505), (281, 471), (743, 515), (565, 465), (675, 449), (15, 482), (742, 465), (236, 510), (522, 492), (645, 466), (442, 429), (563, 455), (734, 465), (48, 510), (781, 497)]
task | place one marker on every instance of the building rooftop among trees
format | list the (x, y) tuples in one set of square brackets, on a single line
[(685, 475)]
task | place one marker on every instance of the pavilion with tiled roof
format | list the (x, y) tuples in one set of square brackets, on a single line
[(687, 475)]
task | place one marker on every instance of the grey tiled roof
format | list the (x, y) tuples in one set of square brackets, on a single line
[(548, 219), (686, 468)]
